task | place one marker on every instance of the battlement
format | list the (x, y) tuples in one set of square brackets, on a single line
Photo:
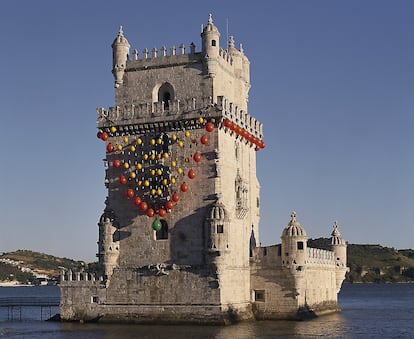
[(317, 256), (189, 108), (162, 58), (69, 275)]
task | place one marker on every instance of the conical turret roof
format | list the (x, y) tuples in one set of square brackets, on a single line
[(336, 238)]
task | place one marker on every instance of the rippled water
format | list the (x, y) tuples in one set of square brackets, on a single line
[(368, 311)]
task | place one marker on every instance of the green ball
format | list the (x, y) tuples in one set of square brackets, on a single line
[(156, 225)]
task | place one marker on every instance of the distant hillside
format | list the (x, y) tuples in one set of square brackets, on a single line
[(25, 266), (374, 263), (368, 263)]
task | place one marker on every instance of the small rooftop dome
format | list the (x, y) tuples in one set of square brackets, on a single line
[(218, 212), (294, 228), (120, 38), (210, 27), (336, 236)]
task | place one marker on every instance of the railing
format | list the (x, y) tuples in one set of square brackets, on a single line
[(29, 301), (19, 308)]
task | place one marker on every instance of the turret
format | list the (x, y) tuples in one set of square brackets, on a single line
[(108, 244), (120, 53), (217, 230), (210, 44), (294, 244), (338, 246)]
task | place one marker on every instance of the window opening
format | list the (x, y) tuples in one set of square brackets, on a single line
[(259, 295), (220, 228), (300, 245), (162, 234)]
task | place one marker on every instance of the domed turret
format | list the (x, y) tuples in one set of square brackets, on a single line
[(338, 246), (120, 52), (217, 228), (210, 38), (294, 243), (108, 247)]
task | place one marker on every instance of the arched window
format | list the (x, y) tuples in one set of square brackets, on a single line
[(213, 42), (162, 234), (166, 93)]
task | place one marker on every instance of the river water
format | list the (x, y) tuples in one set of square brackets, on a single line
[(368, 311)]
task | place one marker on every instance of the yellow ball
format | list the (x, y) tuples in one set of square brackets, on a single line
[(159, 141), (139, 141), (139, 183), (139, 166), (133, 175), (159, 191), (173, 137), (113, 129), (165, 182), (180, 144), (173, 180), (153, 191), (159, 156), (126, 165), (173, 163), (200, 120), (146, 183), (119, 147), (132, 148), (165, 155), (187, 134), (126, 139), (152, 172), (152, 142), (152, 157), (159, 172), (145, 156), (179, 170)]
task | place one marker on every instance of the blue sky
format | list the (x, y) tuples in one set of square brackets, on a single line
[(332, 82)]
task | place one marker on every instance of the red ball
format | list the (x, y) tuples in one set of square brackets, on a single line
[(137, 201), (197, 157), (150, 212), (109, 148), (227, 123), (104, 136), (116, 163), (162, 212), (191, 174), (209, 127), (143, 206), (204, 139), (122, 180), (184, 187), (99, 135), (130, 193), (175, 197), (169, 205)]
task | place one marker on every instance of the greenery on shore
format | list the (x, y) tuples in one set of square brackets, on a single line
[(367, 263), (34, 264)]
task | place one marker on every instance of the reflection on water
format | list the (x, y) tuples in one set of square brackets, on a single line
[(330, 326), (368, 311)]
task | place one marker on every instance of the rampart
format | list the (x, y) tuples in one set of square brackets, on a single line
[(138, 113)]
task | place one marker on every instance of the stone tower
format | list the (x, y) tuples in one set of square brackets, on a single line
[(179, 233), (181, 174)]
